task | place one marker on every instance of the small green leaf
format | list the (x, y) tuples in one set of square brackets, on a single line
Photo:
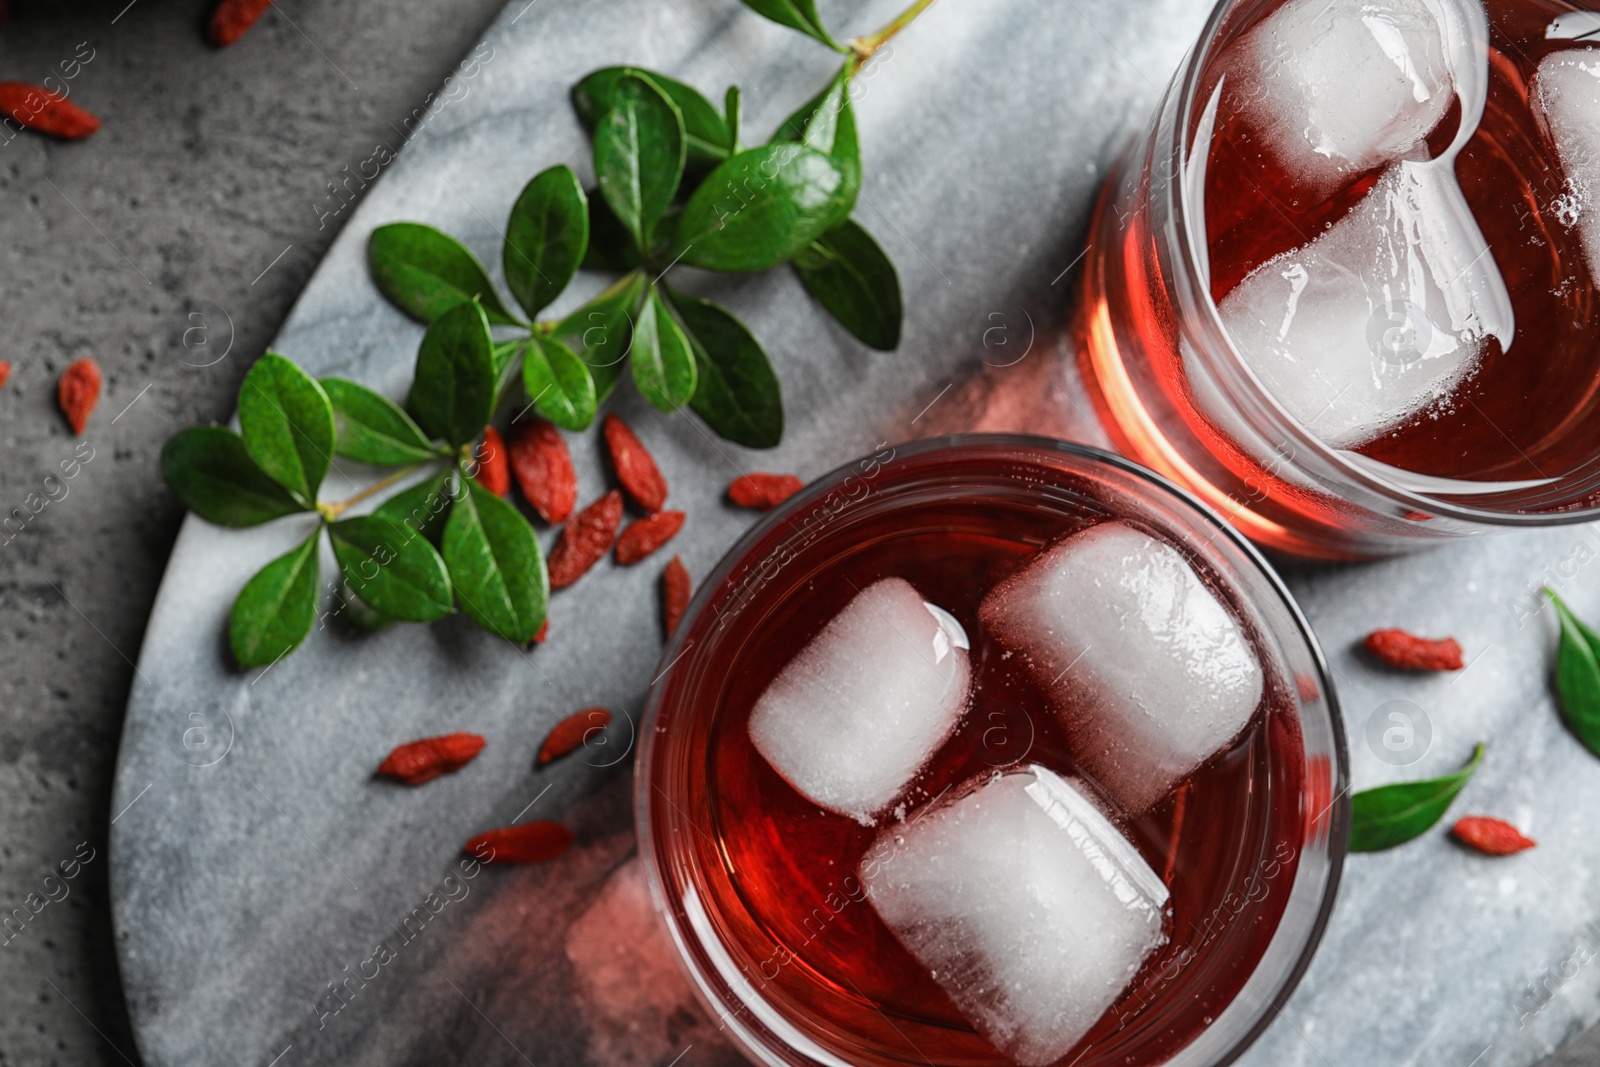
[(558, 383), (761, 207), (506, 356), (424, 508), (287, 424), (495, 565), (846, 272), (395, 571), (730, 105), (797, 15), (374, 429), (1578, 675), (453, 393), (663, 362), (276, 608), (1394, 814), (211, 472), (737, 393), (546, 238), (425, 273), (705, 134), (827, 122), (601, 331), (638, 155)]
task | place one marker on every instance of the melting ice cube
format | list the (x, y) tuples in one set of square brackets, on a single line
[(1150, 673), (1030, 908), (1566, 97), (852, 718)]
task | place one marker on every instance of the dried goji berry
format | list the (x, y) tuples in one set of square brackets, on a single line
[(421, 761), (530, 842), (5, 372), (543, 466), (674, 593), (38, 108), (78, 392), (543, 634), (1407, 652), (636, 469), (1492, 837), (494, 470), (570, 733), (763, 491), (585, 540), (645, 535), (233, 17)]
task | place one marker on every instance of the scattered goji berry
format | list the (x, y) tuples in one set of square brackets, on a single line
[(421, 761), (636, 469), (543, 466), (544, 633), (1492, 837), (1407, 652), (38, 108), (78, 392), (645, 535), (675, 589), (5, 372), (570, 733), (585, 540), (763, 491), (232, 18), (529, 842), (494, 470)]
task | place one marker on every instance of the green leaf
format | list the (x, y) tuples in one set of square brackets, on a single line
[(706, 136), (601, 331), (827, 122), (1394, 814), (374, 429), (730, 105), (395, 571), (611, 246), (638, 155), (663, 362), (846, 272), (546, 238), (558, 383), (454, 390), (1578, 675), (422, 509), (737, 393), (425, 273), (506, 354), (211, 472), (287, 424), (276, 608), (797, 15), (495, 565), (761, 207)]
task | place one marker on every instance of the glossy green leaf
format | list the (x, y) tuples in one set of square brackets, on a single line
[(797, 15), (827, 122), (663, 362), (287, 424), (611, 246), (706, 136), (1394, 814), (1578, 675), (761, 207), (374, 429), (507, 364), (601, 331), (846, 272), (211, 472), (558, 383), (276, 608), (495, 565), (454, 390), (730, 106), (399, 574), (737, 391), (425, 273), (638, 155), (423, 508), (546, 238)]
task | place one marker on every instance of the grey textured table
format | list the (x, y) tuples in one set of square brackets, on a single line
[(212, 165)]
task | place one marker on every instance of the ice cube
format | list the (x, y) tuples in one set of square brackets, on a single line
[(1566, 97), (853, 717), (1029, 907), (1150, 673)]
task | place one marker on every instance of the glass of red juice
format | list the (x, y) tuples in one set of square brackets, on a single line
[(1344, 287), (1046, 877)]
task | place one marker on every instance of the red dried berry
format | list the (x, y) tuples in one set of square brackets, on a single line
[(531, 842), (636, 469), (422, 761), (543, 466), (648, 534), (38, 108), (675, 589), (763, 491), (494, 469), (1407, 652), (5, 372), (1492, 837), (570, 733), (232, 18), (78, 392), (544, 633), (585, 540)]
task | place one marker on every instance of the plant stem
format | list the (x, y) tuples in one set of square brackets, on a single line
[(334, 510), (865, 47)]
